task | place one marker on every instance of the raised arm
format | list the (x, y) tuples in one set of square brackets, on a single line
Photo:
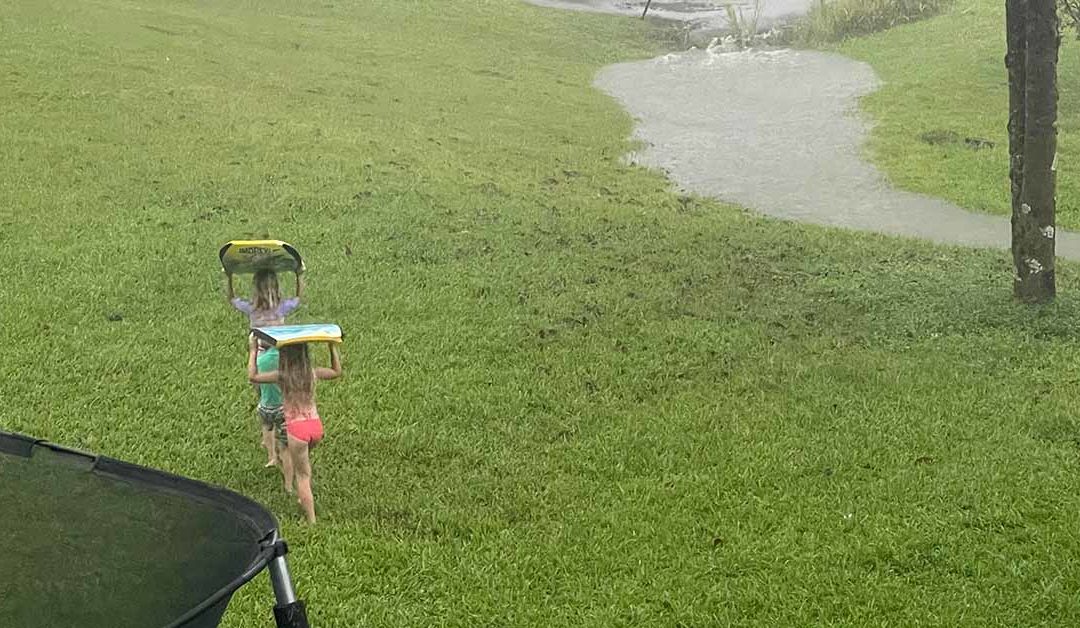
[(239, 304), (334, 371), (254, 376)]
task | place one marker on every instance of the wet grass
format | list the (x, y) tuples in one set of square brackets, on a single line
[(940, 116), (830, 21), (572, 397)]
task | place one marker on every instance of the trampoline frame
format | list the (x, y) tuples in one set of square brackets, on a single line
[(289, 611)]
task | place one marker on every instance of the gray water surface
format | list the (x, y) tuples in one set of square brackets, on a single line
[(779, 132), (706, 14)]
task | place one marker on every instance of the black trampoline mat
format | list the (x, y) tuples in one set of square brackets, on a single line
[(86, 549)]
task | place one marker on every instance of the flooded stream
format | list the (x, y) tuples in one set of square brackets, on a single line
[(779, 132), (705, 14)]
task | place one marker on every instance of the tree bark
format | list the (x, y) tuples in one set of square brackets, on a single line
[(1015, 57), (1033, 220), (1037, 195)]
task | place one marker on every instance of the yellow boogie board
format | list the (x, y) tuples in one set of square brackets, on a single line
[(251, 256), (285, 335)]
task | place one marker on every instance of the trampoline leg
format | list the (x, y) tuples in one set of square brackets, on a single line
[(289, 612)]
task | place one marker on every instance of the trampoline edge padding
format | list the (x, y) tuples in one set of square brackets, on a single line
[(253, 516)]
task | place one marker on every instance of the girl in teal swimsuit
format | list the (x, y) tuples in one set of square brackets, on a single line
[(271, 410), (267, 307)]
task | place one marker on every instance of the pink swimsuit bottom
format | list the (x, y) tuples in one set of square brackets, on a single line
[(308, 429)]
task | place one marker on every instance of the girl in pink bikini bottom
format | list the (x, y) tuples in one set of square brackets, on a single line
[(307, 429), (297, 376)]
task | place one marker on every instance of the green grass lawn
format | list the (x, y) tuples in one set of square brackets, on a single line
[(946, 77), (572, 398)]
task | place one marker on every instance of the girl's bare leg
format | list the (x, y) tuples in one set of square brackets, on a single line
[(286, 466), (298, 451), (270, 446)]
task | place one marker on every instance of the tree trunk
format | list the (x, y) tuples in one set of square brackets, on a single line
[(1033, 220), (1015, 57)]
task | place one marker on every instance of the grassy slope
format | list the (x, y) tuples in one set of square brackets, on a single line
[(572, 398), (948, 74)]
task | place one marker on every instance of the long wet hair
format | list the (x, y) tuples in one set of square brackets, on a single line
[(267, 291), (296, 376)]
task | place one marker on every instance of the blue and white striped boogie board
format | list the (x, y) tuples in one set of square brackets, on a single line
[(250, 256), (284, 335)]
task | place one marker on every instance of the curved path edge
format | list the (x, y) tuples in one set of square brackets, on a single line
[(779, 132)]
